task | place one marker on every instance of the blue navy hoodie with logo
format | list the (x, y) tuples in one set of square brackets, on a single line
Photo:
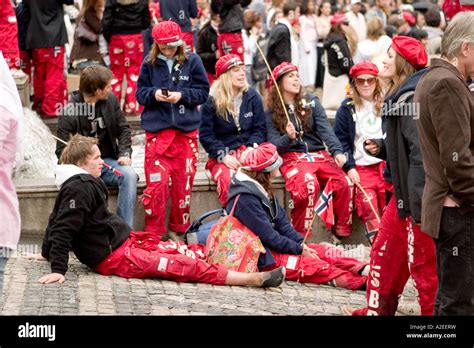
[(263, 216), (190, 79), (217, 134)]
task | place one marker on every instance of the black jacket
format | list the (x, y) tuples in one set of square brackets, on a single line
[(320, 133), (265, 217), (125, 17), (401, 149), (81, 222), (45, 22), (279, 46), (73, 119), (231, 14), (206, 48), (339, 55)]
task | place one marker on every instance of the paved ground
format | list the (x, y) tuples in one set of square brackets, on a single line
[(87, 293)]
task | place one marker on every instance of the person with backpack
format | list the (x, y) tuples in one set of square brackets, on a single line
[(254, 204), (171, 86), (401, 249), (232, 120)]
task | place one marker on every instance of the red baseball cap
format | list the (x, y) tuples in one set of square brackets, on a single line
[(227, 62), (338, 18), (167, 33), (409, 18), (365, 67), (282, 69), (263, 158), (411, 50)]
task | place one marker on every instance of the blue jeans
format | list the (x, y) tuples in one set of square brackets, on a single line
[(3, 263), (127, 186)]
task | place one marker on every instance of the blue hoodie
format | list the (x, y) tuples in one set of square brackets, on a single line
[(218, 136), (179, 11), (190, 79), (345, 132), (265, 217)]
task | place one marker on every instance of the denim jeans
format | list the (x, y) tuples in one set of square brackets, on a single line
[(127, 186), (3, 263), (455, 263)]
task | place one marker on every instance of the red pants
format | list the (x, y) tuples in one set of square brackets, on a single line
[(188, 38), (49, 83), (231, 43), (169, 154), (400, 249), (222, 175), (126, 55), (144, 256), (304, 179), (332, 268), (9, 34), (371, 180)]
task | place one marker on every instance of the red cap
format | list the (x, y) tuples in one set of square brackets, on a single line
[(365, 67), (411, 50), (409, 18), (263, 158), (227, 62), (167, 33), (282, 69), (338, 18), (295, 22)]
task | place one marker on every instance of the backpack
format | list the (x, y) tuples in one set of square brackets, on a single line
[(198, 232), (259, 68)]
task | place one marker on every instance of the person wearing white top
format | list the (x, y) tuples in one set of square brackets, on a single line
[(357, 20), (308, 42), (358, 120), (376, 45)]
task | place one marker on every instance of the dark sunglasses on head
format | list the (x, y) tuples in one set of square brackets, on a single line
[(361, 81)]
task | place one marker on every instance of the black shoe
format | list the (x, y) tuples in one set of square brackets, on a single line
[(274, 278)]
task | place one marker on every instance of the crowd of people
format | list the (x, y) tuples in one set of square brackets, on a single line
[(196, 71)]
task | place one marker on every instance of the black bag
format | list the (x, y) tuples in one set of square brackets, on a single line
[(198, 232), (84, 32), (259, 68)]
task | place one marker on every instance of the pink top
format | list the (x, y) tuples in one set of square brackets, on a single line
[(9, 208)]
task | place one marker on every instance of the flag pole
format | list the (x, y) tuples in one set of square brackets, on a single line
[(55, 137), (368, 200)]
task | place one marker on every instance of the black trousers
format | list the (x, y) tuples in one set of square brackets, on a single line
[(455, 264)]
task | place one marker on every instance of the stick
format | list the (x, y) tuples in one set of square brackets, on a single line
[(368, 199), (310, 227), (274, 81), (55, 137)]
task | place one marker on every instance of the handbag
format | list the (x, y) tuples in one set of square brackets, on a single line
[(334, 88), (234, 245), (84, 32)]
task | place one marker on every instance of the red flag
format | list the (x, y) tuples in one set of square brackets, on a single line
[(324, 207)]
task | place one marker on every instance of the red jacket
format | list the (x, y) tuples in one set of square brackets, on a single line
[(451, 7), (9, 34)]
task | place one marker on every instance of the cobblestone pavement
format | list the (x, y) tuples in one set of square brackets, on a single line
[(88, 293)]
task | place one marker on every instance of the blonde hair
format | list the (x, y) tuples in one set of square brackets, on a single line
[(375, 29), (221, 92), (155, 51), (403, 70), (351, 36), (78, 149), (378, 96)]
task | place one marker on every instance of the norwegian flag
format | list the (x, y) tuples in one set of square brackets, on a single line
[(310, 157), (324, 207)]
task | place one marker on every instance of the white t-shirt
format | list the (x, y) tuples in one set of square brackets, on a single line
[(367, 126)]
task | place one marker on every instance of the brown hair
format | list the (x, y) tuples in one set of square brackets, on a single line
[(262, 178), (94, 77), (275, 107), (78, 149), (155, 51), (251, 18), (403, 70), (378, 96), (375, 29)]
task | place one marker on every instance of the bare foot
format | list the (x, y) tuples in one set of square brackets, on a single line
[(34, 257), (347, 310)]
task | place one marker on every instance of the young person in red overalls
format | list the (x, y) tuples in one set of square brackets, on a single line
[(307, 166), (172, 84), (231, 121), (357, 120)]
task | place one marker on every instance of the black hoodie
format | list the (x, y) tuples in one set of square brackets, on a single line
[(339, 55), (265, 217)]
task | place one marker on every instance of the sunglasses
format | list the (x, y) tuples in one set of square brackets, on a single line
[(361, 82)]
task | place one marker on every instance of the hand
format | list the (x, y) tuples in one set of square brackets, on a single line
[(52, 278), (372, 147), (218, 55), (340, 160), (308, 252), (353, 175), (35, 257), (291, 131), (231, 162), (173, 97), (124, 161), (159, 96)]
